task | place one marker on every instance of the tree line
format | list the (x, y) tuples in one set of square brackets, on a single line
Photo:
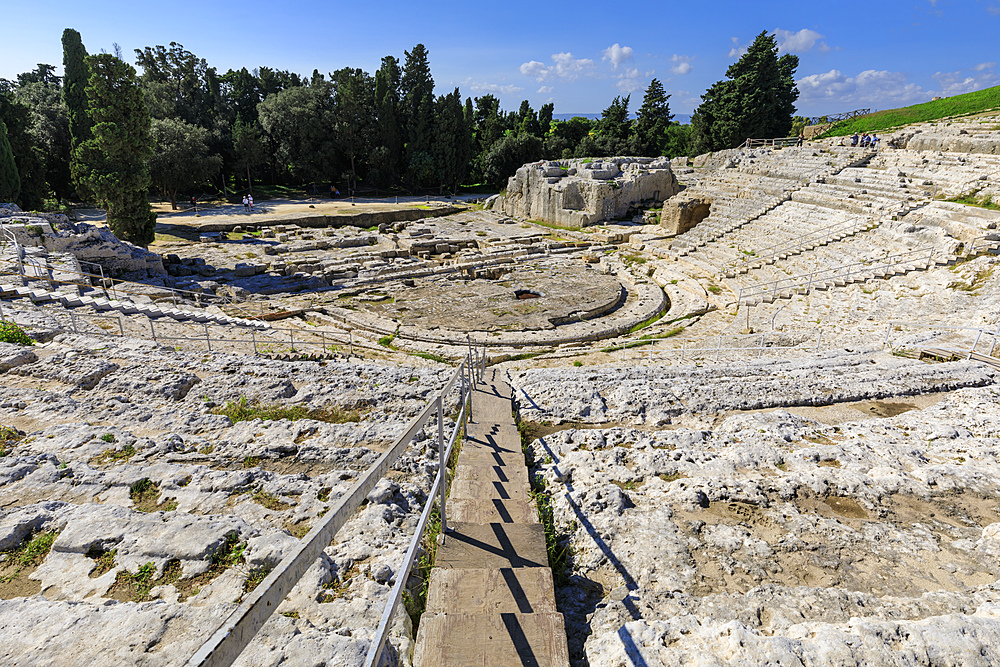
[(106, 133)]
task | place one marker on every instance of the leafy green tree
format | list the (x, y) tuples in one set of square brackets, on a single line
[(75, 76), (112, 163), (506, 155), (650, 135), (354, 97), (10, 180), (28, 156), (299, 120), (181, 157), (49, 127), (677, 140), (178, 81), (417, 90), (248, 148), (241, 91), (756, 100)]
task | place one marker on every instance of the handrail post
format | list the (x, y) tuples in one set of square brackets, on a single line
[(975, 343), (253, 335), (152, 330), (442, 467), (208, 339)]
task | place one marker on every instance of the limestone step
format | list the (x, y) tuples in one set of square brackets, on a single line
[(506, 638), (526, 590)]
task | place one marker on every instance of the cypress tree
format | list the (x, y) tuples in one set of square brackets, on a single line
[(389, 159), (74, 85), (417, 89), (112, 163), (10, 181)]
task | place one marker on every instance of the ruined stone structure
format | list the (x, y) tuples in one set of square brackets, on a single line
[(578, 193)]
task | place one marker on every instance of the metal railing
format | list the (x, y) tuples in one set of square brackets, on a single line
[(848, 273), (229, 640), (969, 352), (768, 342), (470, 373), (837, 117), (808, 241), (263, 342), (770, 143)]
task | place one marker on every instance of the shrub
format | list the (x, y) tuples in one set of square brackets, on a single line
[(11, 333)]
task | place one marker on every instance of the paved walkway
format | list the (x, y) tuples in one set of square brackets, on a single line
[(491, 599)]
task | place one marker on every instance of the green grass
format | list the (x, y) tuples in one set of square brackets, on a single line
[(972, 199), (114, 455), (430, 356), (9, 437), (144, 495), (957, 105), (244, 410), (552, 225), (30, 553)]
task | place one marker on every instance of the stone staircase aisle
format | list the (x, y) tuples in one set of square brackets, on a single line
[(491, 599)]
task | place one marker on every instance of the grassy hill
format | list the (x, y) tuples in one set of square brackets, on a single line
[(958, 105)]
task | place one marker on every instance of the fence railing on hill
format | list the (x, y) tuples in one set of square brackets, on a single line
[(837, 117), (805, 242), (273, 340), (779, 142), (233, 635), (847, 273), (742, 345), (970, 342)]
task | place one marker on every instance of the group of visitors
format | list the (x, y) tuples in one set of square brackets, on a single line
[(866, 141), (248, 203)]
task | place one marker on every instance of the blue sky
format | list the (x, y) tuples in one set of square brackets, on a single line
[(579, 55)]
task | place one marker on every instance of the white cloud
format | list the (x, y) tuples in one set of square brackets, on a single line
[(682, 64), (835, 92), (545, 90), (617, 54), (494, 88), (965, 81), (737, 51), (628, 81), (994, 10), (564, 66), (799, 42)]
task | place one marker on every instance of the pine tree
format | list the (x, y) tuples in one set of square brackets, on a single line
[(452, 145), (653, 120), (112, 163), (756, 100), (10, 181)]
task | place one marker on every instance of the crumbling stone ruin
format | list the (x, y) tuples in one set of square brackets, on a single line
[(579, 193)]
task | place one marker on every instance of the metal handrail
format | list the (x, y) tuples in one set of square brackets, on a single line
[(470, 372), (807, 280), (719, 349), (816, 237), (972, 350), (229, 640)]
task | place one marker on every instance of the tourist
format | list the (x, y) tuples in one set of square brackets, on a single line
[(854, 140), (875, 141), (800, 140), (246, 204), (250, 201)]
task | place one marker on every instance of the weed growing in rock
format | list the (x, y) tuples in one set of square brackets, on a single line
[(145, 493), (103, 561), (244, 410), (114, 455), (108, 437), (30, 553), (11, 333), (9, 437), (269, 501)]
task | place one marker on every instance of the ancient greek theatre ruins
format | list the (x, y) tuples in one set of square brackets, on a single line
[(757, 396)]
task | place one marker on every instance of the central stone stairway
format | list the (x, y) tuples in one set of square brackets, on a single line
[(491, 599)]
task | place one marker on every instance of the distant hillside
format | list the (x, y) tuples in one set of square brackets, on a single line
[(958, 105), (682, 118)]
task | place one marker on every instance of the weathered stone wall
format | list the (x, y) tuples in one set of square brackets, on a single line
[(683, 212), (578, 193)]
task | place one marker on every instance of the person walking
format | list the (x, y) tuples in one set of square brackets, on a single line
[(250, 201), (874, 142), (246, 204), (854, 140)]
